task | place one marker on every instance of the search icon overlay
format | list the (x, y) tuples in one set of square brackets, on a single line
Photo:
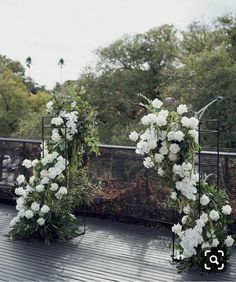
[(213, 260)]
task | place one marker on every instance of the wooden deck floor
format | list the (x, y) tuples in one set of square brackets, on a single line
[(107, 252)]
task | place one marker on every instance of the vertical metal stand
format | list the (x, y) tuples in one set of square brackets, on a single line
[(217, 165), (44, 125)]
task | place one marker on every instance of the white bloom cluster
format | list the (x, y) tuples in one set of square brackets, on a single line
[(51, 175), (164, 142)]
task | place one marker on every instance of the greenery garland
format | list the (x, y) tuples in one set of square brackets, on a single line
[(46, 203), (170, 143)]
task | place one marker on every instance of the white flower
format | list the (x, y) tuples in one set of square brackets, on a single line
[(29, 214), (149, 119), (184, 219), (49, 105), (156, 103), (34, 162), (73, 104), (187, 209), (172, 157), (160, 171), (204, 217), (174, 148), (205, 245), (57, 121), (45, 180), (27, 163), (204, 200), (20, 191), (171, 135), (148, 162), (20, 179), (35, 207), (55, 135), (214, 215), (54, 186), (45, 209), (158, 158), (215, 243), (173, 195), (187, 166), (32, 179), (194, 134), (63, 191), (181, 109), (185, 121), (229, 241), (133, 136), (39, 188), (41, 221), (177, 228), (178, 136), (15, 220), (226, 209), (193, 123)]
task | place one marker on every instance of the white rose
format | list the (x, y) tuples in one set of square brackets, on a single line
[(178, 136), (172, 157), (29, 214), (204, 200), (148, 162), (181, 109), (133, 136), (49, 105), (56, 137), (63, 190), (215, 243), (35, 206), (156, 103), (205, 245), (54, 187), (45, 209), (173, 195), (171, 135), (39, 188), (193, 123), (158, 158), (177, 228), (34, 162), (204, 217), (32, 179), (184, 219), (187, 209), (41, 221), (194, 134), (57, 121), (185, 121), (27, 163), (226, 209), (214, 215), (229, 241), (160, 171), (45, 180), (174, 148), (73, 104), (20, 179)]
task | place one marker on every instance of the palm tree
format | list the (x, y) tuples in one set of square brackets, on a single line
[(28, 63), (61, 63)]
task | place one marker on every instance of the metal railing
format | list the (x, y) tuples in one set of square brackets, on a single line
[(128, 189)]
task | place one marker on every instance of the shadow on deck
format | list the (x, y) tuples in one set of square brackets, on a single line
[(107, 252)]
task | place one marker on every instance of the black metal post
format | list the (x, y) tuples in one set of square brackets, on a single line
[(199, 168), (218, 154)]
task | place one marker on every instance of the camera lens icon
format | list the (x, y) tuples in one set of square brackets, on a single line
[(214, 259)]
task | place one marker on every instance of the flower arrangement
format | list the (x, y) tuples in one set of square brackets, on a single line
[(59, 180), (169, 143)]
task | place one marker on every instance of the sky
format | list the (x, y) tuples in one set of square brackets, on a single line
[(47, 30)]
